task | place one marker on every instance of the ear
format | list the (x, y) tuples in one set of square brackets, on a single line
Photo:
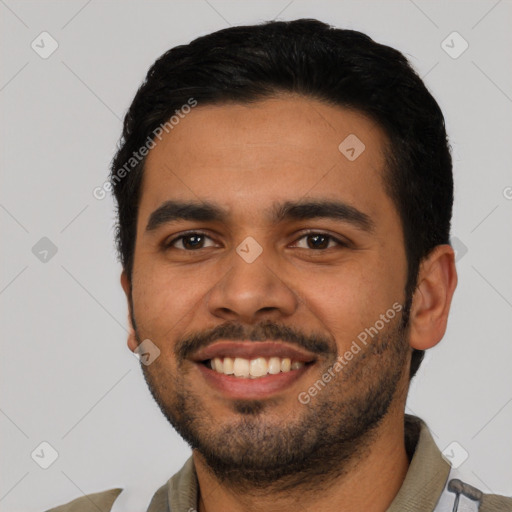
[(127, 287), (437, 280)]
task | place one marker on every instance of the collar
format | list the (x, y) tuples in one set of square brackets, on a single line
[(427, 473)]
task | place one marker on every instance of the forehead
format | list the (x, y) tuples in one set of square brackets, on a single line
[(247, 157)]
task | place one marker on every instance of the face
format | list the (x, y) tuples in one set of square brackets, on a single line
[(260, 244)]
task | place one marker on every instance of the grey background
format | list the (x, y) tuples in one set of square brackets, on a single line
[(67, 375)]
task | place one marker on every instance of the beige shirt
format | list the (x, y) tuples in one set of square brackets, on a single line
[(428, 486)]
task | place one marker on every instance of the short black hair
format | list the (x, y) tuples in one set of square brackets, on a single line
[(340, 67)]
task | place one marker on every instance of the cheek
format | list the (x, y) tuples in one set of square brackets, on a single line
[(163, 299), (351, 297), (344, 303)]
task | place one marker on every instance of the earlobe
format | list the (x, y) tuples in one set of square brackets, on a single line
[(432, 298), (126, 285), (132, 340)]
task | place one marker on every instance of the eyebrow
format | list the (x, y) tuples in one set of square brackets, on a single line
[(205, 211)]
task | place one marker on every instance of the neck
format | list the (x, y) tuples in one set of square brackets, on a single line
[(369, 481)]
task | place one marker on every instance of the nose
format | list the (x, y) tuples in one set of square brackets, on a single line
[(251, 292)]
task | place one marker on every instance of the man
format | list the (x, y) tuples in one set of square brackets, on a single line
[(284, 201)]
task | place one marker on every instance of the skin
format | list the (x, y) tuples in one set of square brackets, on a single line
[(246, 158)]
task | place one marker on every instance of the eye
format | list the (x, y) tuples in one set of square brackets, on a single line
[(320, 241), (191, 241)]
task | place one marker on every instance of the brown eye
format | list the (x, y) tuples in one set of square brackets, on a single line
[(189, 242), (192, 241), (320, 241)]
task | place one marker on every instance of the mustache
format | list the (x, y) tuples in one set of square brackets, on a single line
[(265, 331)]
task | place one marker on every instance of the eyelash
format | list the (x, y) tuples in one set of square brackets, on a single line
[(169, 244)]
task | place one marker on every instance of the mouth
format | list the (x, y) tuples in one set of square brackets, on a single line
[(252, 370)]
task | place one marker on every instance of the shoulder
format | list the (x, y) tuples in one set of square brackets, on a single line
[(495, 503), (470, 498), (97, 502)]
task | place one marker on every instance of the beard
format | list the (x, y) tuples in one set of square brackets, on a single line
[(270, 444)]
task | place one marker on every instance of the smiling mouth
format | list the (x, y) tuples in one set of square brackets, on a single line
[(257, 368), (252, 370)]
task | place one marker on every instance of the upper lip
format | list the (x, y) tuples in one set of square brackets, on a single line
[(252, 350)]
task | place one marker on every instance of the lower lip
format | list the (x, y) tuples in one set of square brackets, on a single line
[(251, 389)]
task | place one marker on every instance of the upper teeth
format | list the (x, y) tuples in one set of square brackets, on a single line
[(253, 368)]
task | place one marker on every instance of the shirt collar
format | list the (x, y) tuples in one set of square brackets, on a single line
[(427, 473)]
